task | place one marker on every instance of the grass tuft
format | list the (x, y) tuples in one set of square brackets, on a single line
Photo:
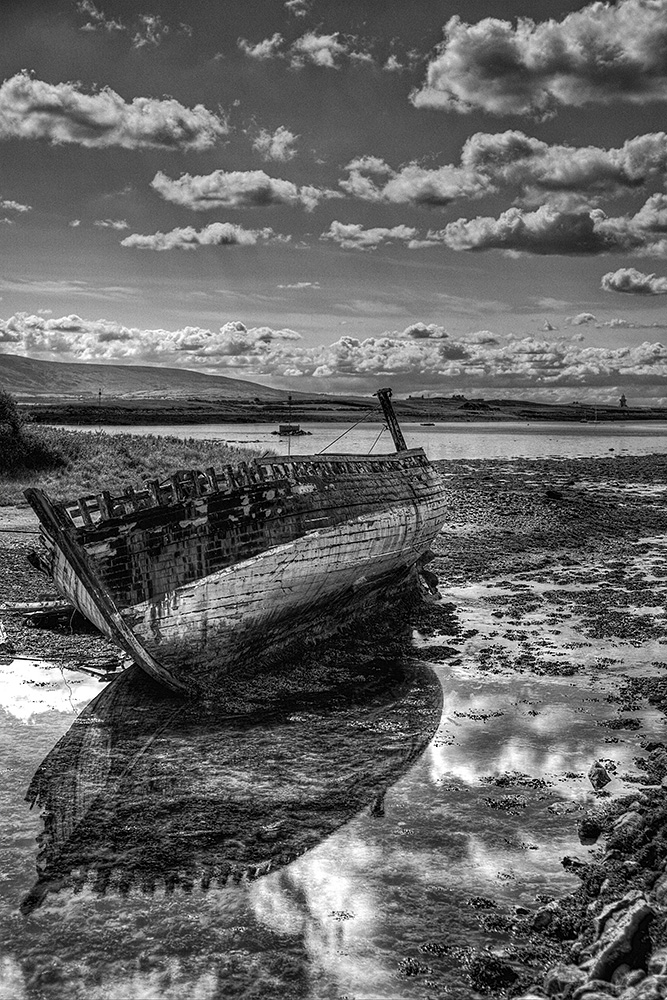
[(68, 464)]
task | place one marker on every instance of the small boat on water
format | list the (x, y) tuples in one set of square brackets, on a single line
[(290, 430), (219, 571)]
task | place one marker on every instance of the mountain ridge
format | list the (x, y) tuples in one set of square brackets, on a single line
[(29, 377)]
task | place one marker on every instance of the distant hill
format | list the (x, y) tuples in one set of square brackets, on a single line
[(27, 378)]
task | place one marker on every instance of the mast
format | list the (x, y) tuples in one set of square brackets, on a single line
[(384, 395)]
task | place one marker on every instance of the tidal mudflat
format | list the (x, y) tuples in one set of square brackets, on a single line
[(443, 836)]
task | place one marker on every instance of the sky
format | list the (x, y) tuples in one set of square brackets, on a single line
[(333, 196)]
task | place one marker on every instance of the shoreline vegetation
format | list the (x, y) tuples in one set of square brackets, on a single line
[(71, 463)]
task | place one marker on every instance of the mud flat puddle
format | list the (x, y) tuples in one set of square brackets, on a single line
[(369, 851)]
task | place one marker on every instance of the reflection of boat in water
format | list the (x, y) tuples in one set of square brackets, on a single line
[(146, 791), (197, 577)]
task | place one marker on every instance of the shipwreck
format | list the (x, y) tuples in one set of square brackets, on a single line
[(219, 571)]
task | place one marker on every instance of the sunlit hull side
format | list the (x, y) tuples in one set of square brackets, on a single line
[(291, 563)]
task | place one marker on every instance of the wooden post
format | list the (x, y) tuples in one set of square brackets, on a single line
[(212, 479), (105, 503), (85, 513), (384, 396)]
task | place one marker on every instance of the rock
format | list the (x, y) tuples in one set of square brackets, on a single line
[(563, 979), (573, 864), (628, 823), (598, 776), (615, 930), (561, 808), (593, 988), (657, 963), (487, 971), (588, 829), (659, 892), (377, 805), (620, 974), (545, 916), (651, 988), (627, 977)]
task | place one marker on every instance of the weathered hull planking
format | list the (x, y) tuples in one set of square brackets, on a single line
[(206, 574)]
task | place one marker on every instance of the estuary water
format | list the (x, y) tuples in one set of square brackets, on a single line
[(458, 440)]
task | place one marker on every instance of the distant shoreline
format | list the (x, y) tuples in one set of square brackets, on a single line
[(91, 412)]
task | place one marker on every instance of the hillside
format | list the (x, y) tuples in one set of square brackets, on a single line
[(29, 379)]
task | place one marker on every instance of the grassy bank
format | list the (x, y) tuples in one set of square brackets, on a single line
[(72, 463)]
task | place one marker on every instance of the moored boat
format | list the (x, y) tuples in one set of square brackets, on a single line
[(214, 572)]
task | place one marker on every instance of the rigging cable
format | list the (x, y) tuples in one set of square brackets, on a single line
[(370, 413), (382, 430)]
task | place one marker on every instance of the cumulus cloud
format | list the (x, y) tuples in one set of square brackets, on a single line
[(410, 185), (393, 64), (425, 331), (602, 53), (325, 51), (7, 205), (217, 234), (628, 279), (98, 20), (538, 170), (353, 236), (149, 29), (581, 319), (299, 8), (433, 361), (231, 345), (278, 145), (237, 189), (268, 48), (534, 170), (63, 113), (550, 231), (118, 224), (320, 50), (152, 31)]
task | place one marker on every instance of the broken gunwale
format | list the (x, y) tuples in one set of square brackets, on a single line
[(89, 511)]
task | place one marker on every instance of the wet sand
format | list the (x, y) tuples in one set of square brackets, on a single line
[(554, 583)]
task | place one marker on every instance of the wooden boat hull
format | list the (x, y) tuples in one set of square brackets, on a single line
[(259, 608), (197, 587)]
